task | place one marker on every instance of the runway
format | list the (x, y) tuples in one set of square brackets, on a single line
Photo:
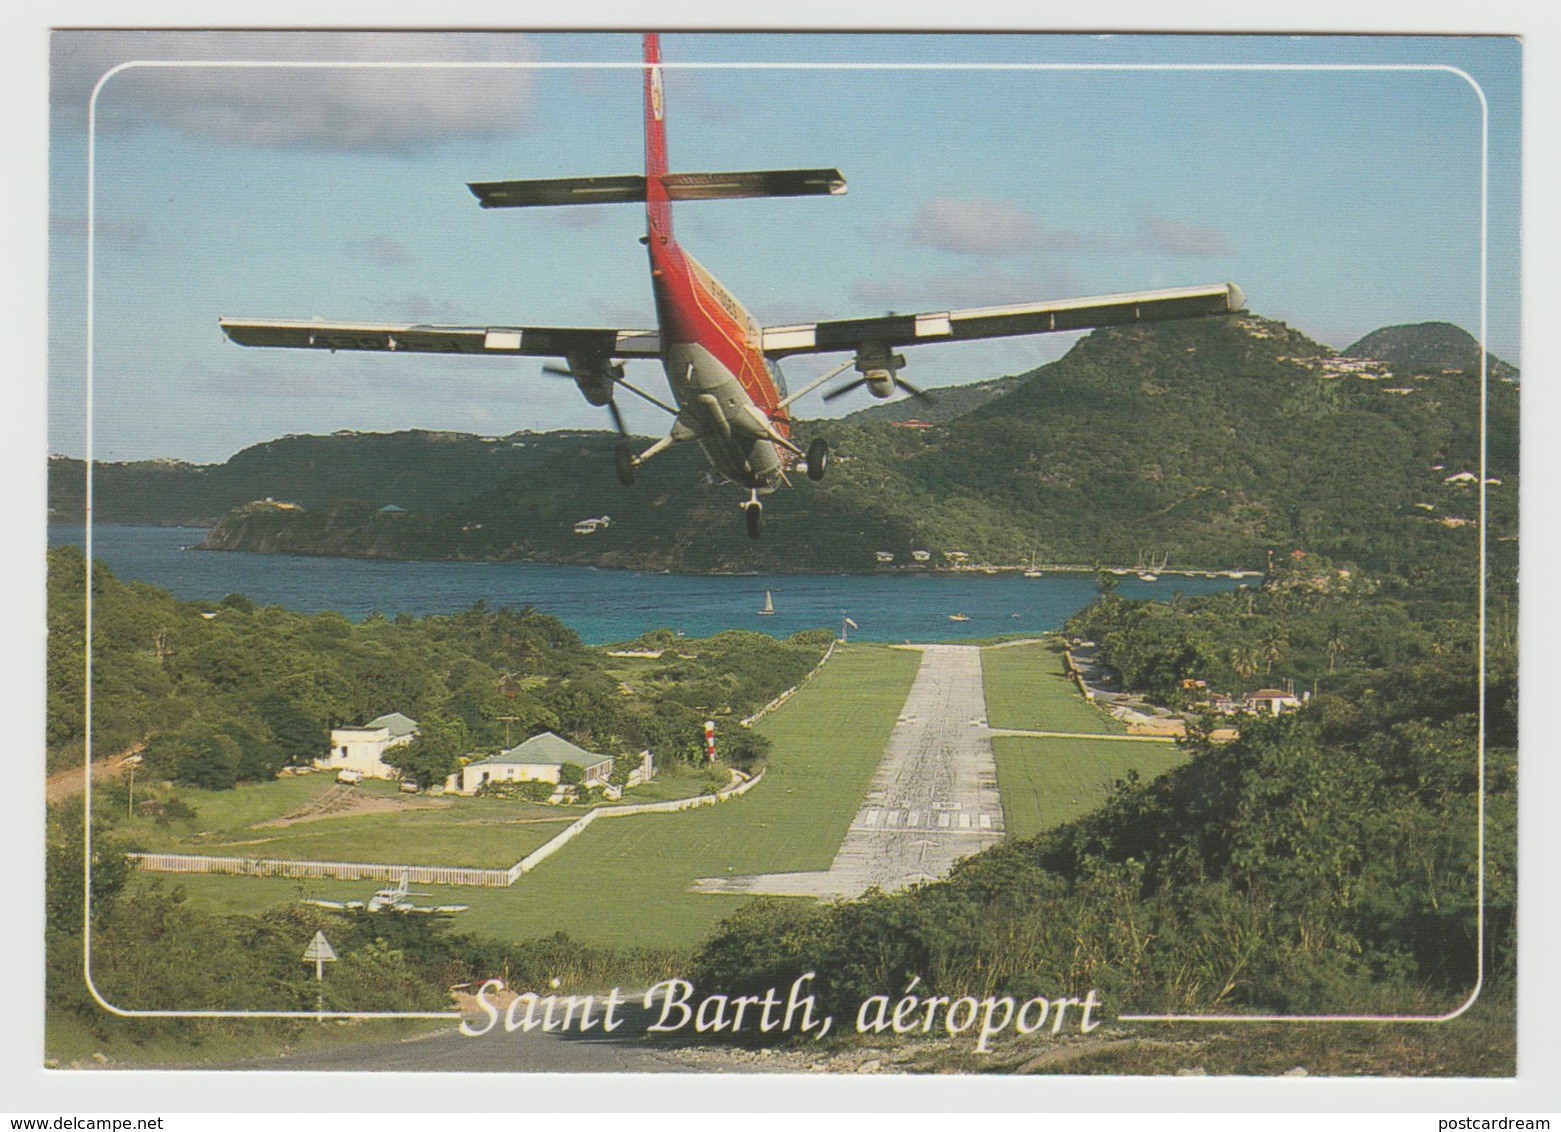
[(932, 802)]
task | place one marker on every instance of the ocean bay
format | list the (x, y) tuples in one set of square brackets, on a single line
[(615, 605)]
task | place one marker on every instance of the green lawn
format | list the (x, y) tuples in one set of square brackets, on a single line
[(1027, 689), (479, 832), (626, 880), (488, 832), (1045, 782)]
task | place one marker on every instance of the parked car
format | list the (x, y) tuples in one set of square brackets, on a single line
[(349, 776)]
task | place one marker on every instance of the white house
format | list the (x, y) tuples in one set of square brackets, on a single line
[(1272, 701), (539, 759), (363, 748)]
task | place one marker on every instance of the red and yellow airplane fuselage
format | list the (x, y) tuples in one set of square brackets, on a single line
[(728, 392)]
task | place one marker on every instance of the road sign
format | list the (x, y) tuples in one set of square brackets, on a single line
[(319, 950)]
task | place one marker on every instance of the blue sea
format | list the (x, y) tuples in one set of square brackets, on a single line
[(617, 605)]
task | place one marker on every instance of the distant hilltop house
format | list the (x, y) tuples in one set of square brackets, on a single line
[(1272, 701), (392, 509), (1369, 369), (1265, 701), (884, 557), (363, 748), (539, 759), (591, 526)]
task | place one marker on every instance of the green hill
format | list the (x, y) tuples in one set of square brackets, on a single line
[(1429, 347), (948, 403), (1212, 441)]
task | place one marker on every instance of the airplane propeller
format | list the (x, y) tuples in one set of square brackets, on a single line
[(920, 394), (554, 370)]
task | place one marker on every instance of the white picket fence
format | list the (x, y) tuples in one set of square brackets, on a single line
[(319, 870), (423, 874)]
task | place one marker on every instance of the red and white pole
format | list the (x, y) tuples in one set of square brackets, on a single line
[(710, 739)]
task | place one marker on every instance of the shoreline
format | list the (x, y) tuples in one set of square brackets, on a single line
[(1228, 572)]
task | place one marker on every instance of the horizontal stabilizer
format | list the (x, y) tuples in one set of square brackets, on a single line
[(680, 186)]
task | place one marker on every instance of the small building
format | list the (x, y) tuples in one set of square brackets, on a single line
[(541, 758), (921, 555), (1272, 700), (363, 748), (883, 557)]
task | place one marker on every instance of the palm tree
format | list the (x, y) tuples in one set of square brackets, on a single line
[(1334, 644), (1244, 661), (1273, 642)]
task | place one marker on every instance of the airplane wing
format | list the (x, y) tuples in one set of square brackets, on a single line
[(1002, 322), (535, 341)]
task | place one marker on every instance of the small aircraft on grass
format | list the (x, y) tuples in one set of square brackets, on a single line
[(396, 899), (720, 361)]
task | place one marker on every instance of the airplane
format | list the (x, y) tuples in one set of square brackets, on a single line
[(721, 363), (396, 899)]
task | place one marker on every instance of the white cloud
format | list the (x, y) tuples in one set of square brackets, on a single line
[(381, 251), (988, 287), (363, 106), (1178, 238), (980, 226)]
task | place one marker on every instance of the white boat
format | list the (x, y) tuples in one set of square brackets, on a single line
[(1145, 576), (768, 608), (959, 617)]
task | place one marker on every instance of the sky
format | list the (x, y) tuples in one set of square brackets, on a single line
[(1336, 180)]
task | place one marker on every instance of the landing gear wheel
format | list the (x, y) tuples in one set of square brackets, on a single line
[(818, 459), (753, 515), (623, 461)]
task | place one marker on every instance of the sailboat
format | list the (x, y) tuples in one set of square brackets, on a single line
[(768, 608), (1033, 571), (1152, 573)]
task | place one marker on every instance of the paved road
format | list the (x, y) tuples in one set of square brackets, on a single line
[(933, 801), (626, 1050)]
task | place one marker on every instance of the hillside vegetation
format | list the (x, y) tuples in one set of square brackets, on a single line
[(1210, 441), (221, 692)]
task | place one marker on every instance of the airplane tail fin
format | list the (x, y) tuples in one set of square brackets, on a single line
[(658, 205)]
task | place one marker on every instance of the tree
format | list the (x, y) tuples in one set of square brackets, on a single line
[(1274, 641), (1334, 644), (298, 735), (434, 754), (1244, 662)]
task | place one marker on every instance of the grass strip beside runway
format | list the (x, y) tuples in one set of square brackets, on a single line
[(1028, 689), (1046, 782)]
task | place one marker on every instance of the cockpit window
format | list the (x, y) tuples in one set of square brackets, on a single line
[(776, 375)]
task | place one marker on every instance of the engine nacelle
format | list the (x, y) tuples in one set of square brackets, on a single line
[(879, 368), (595, 377), (880, 383)]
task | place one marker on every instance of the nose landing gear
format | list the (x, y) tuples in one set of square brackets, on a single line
[(753, 514), (818, 459)]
